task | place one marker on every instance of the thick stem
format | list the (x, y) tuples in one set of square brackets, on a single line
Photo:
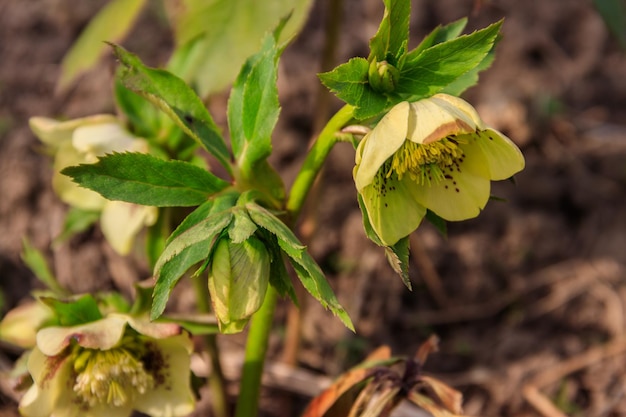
[(315, 160), (216, 381), (256, 350)]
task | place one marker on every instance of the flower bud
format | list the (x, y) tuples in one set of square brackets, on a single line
[(238, 279), (382, 76)]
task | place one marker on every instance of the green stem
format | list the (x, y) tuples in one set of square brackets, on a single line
[(315, 160), (256, 349), (216, 382), (261, 322)]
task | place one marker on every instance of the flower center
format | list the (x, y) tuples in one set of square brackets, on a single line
[(112, 377), (425, 163)]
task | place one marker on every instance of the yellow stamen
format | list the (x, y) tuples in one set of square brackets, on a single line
[(425, 163), (111, 377)]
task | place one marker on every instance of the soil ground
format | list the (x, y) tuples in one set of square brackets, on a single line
[(528, 300)]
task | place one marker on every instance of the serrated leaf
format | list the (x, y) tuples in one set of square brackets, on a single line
[(143, 179), (173, 96), (470, 78), (350, 83), (398, 257), (188, 247), (436, 67), (253, 106), (226, 32), (71, 313), (242, 227), (438, 35), (306, 268), (144, 118), (36, 262), (393, 31), (279, 277), (111, 24)]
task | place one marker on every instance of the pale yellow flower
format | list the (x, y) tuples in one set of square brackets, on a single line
[(434, 154), (110, 367), (19, 326), (82, 141)]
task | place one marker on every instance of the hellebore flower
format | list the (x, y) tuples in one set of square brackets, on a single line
[(434, 154), (19, 326), (82, 141), (110, 367)]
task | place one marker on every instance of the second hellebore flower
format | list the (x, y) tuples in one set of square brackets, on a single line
[(110, 367), (82, 141), (434, 154)]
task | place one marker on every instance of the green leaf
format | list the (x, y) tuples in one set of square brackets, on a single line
[(36, 262), (242, 226), (398, 257), (438, 35), (173, 96), (71, 313), (470, 78), (279, 277), (190, 243), (112, 24), (144, 118), (76, 221), (393, 32), (143, 179), (253, 106), (306, 268), (437, 67), (614, 14), (349, 82), (223, 33)]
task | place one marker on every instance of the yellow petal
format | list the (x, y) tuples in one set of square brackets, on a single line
[(435, 118), (395, 212), (173, 396), (101, 334), (53, 132), (503, 157), (68, 191), (19, 326), (381, 143), (50, 376), (120, 222), (464, 191), (101, 139)]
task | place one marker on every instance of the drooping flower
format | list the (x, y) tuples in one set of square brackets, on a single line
[(434, 154), (110, 367), (82, 141)]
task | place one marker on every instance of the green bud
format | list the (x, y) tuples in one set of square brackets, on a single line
[(238, 279), (382, 76)]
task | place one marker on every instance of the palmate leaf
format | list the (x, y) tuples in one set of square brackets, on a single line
[(143, 179), (393, 33), (306, 268), (190, 243), (173, 96), (350, 83), (111, 24), (215, 37), (433, 69)]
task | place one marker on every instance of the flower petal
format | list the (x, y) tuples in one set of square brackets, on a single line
[(150, 328), (464, 191), (53, 132), (172, 397), (100, 334), (378, 145), (97, 140), (67, 190), (120, 222), (395, 212), (503, 157), (437, 117), (50, 375)]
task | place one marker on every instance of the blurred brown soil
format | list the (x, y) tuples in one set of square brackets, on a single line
[(528, 299)]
